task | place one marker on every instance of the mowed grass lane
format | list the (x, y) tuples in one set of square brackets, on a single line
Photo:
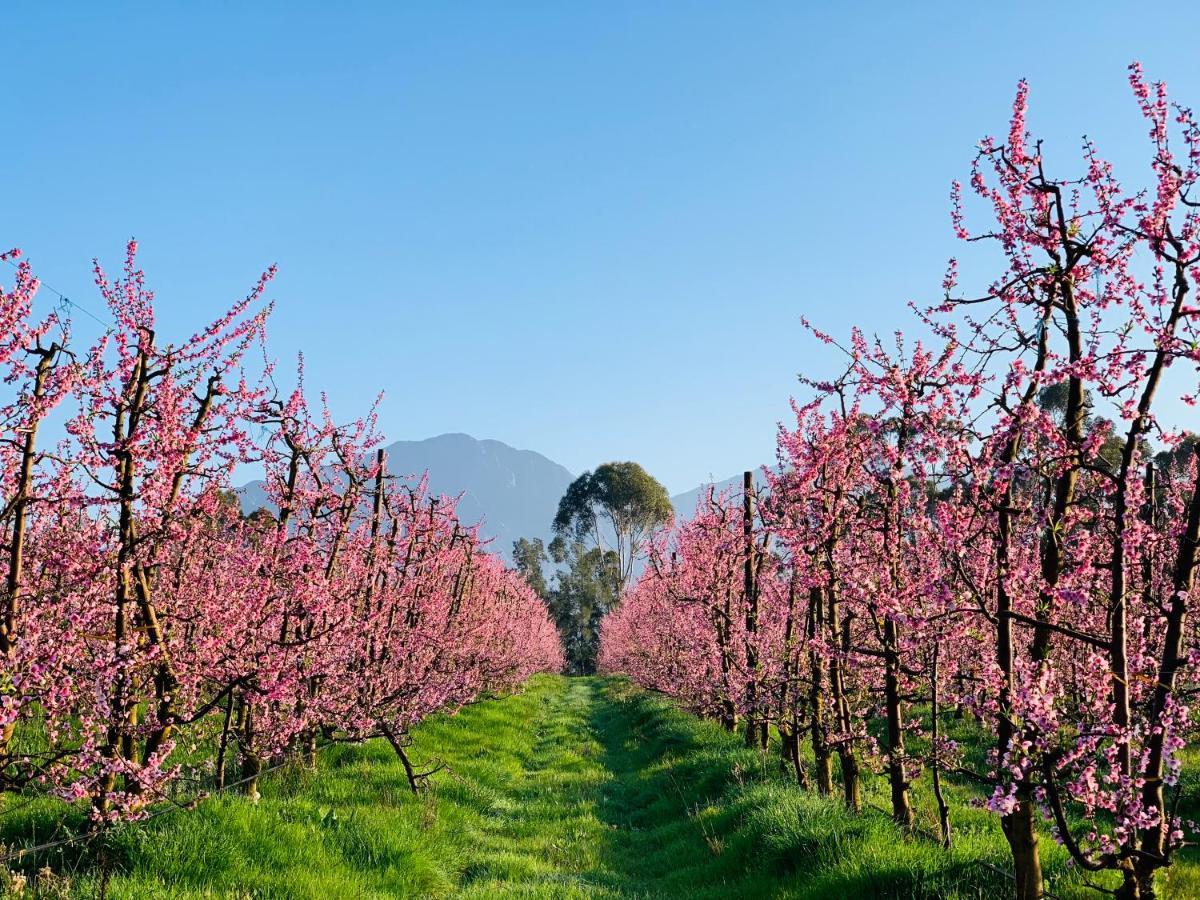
[(574, 787)]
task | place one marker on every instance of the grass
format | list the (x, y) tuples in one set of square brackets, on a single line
[(579, 787)]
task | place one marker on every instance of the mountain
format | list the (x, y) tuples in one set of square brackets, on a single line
[(513, 493), (685, 503)]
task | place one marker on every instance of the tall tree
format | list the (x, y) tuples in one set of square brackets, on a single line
[(620, 500), (583, 593), (528, 556)]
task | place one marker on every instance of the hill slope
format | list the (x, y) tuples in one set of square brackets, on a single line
[(685, 503), (513, 493)]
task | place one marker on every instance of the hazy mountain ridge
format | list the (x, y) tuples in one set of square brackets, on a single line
[(513, 493), (685, 503)]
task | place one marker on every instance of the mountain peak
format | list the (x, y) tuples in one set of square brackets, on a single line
[(510, 493)]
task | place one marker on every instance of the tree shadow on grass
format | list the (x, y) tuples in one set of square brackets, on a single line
[(671, 831), (693, 813)]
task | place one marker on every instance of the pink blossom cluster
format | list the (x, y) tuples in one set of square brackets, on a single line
[(150, 630), (995, 526)]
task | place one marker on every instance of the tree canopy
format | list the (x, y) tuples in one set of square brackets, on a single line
[(620, 501), (528, 556)]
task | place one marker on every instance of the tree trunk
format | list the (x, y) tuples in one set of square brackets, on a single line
[(309, 749), (409, 772), (902, 810), (223, 743), (1019, 827), (1154, 838), (819, 727), (851, 779), (10, 626), (754, 723), (1021, 830), (251, 763), (850, 770), (943, 807)]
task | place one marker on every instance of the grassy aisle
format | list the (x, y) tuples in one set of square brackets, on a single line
[(575, 787)]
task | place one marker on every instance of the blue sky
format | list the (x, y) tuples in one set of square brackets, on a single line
[(587, 229)]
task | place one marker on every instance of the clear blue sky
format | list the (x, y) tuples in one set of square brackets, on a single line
[(587, 229)]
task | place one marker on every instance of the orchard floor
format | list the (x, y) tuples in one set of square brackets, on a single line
[(574, 787)]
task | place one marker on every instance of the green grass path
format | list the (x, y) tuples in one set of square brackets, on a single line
[(595, 808), (573, 787)]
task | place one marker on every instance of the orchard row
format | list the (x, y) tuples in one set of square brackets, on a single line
[(150, 633), (993, 520)]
